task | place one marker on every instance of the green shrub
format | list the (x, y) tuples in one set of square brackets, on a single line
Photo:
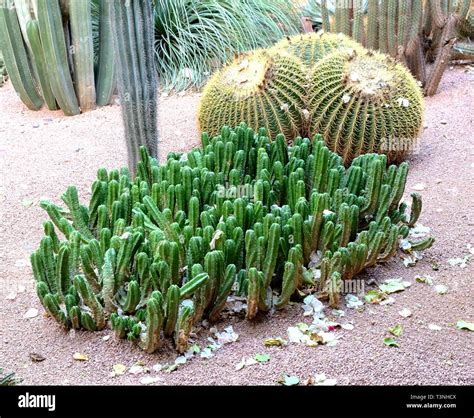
[(161, 251), (195, 37)]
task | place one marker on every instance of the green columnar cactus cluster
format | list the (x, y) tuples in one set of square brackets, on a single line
[(137, 81), (48, 50), (242, 213), (261, 88), (365, 102)]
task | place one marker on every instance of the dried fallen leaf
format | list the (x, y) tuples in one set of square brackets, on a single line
[(249, 361), (37, 357), (262, 358), (374, 296), (275, 342), (149, 380), (405, 312), (397, 330), (31, 313), (119, 369), (441, 289), (461, 324), (434, 327), (390, 342), (80, 357), (136, 369), (289, 380)]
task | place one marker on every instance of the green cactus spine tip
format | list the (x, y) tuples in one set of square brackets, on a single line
[(377, 107), (260, 89)]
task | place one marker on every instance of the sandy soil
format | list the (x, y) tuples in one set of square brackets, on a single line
[(41, 153)]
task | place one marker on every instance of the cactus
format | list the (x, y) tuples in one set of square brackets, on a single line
[(80, 19), (372, 105), (136, 75), (312, 47), (55, 53), (162, 265), (15, 56), (258, 88), (105, 80)]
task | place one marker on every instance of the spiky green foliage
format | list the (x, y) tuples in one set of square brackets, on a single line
[(8, 379), (365, 102), (261, 89), (195, 37), (136, 74), (162, 251), (312, 47)]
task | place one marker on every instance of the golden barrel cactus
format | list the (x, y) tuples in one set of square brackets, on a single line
[(312, 47), (259, 88), (364, 102)]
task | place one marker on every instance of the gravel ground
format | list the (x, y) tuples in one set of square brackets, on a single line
[(43, 152)]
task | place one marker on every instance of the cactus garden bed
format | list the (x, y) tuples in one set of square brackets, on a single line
[(44, 153)]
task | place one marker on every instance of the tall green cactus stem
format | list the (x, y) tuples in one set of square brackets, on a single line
[(80, 20), (357, 114), (105, 80), (151, 340), (136, 75), (15, 56), (90, 299), (372, 24), (32, 30), (54, 46), (184, 326), (52, 307), (258, 88)]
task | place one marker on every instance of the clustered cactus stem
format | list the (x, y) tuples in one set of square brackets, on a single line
[(242, 214)]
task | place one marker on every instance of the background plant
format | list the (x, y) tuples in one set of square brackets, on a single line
[(195, 37), (8, 379), (58, 53), (414, 32)]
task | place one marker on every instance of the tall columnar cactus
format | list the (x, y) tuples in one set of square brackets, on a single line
[(365, 102), (136, 74), (312, 47), (56, 55), (82, 52), (413, 32), (15, 56), (258, 88), (105, 79), (159, 252)]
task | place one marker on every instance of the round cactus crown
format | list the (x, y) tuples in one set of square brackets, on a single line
[(248, 74), (365, 102), (312, 47), (260, 88)]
